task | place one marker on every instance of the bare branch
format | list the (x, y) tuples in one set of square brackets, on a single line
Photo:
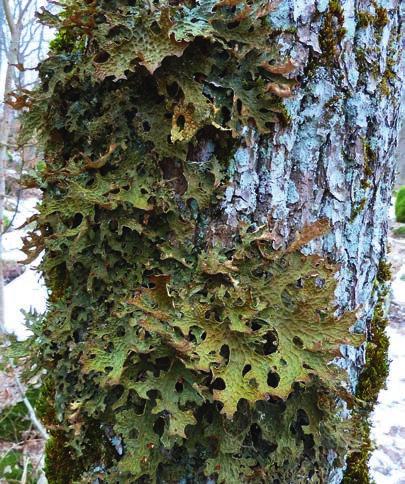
[(24, 10), (34, 419), (9, 17)]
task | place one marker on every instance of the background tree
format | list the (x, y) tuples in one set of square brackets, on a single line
[(22, 44), (214, 221)]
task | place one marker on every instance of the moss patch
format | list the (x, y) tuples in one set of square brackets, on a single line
[(371, 381), (332, 32), (400, 205)]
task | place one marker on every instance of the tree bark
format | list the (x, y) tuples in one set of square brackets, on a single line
[(5, 131), (215, 225), (4, 136)]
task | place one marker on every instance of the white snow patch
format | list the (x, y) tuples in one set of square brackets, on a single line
[(26, 292), (398, 287)]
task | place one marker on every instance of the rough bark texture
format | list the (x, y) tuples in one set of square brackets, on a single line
[(336, 158), (216, 193)]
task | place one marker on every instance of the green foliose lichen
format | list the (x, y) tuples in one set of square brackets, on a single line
[(176, 347)]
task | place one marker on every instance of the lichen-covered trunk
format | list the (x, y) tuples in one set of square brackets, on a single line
[(214, 223)]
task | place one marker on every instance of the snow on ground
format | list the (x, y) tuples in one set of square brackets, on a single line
[(27, 291), (23, 293)]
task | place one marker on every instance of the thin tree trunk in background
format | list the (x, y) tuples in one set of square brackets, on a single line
[(5, 126), (12, 55)]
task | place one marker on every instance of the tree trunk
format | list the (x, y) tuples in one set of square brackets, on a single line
[(215, 225), (5, 131), (4, 136)]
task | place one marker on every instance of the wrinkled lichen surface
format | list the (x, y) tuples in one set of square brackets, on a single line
[(179, 344)]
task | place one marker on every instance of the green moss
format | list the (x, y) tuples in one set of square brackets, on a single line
[(389, 75), (379, 20), (357, 471), (63, 465), (400, 205), (384, 273), (365, 19), (373, 378), (381, 17), (384, 87), (332, 32), (358, 209), (371, 381)]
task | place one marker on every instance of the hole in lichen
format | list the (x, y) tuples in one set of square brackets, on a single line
[(258, 272), (309, 444), (271, 342), (163, 363), (101, 57), (218, 384), (181, 122), (77, 335), (226, 114), (262, 446), (179, 386), (273, 379), (298, 342), (155, 28), (320, 282), (159, 426), (118, 32), (300, 283), (246, 369), (256, 324), (239, 106), (77, 220), (152, 394), (173, 89), (224, 352), (146, 126), (302, 417), (114, 395)]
